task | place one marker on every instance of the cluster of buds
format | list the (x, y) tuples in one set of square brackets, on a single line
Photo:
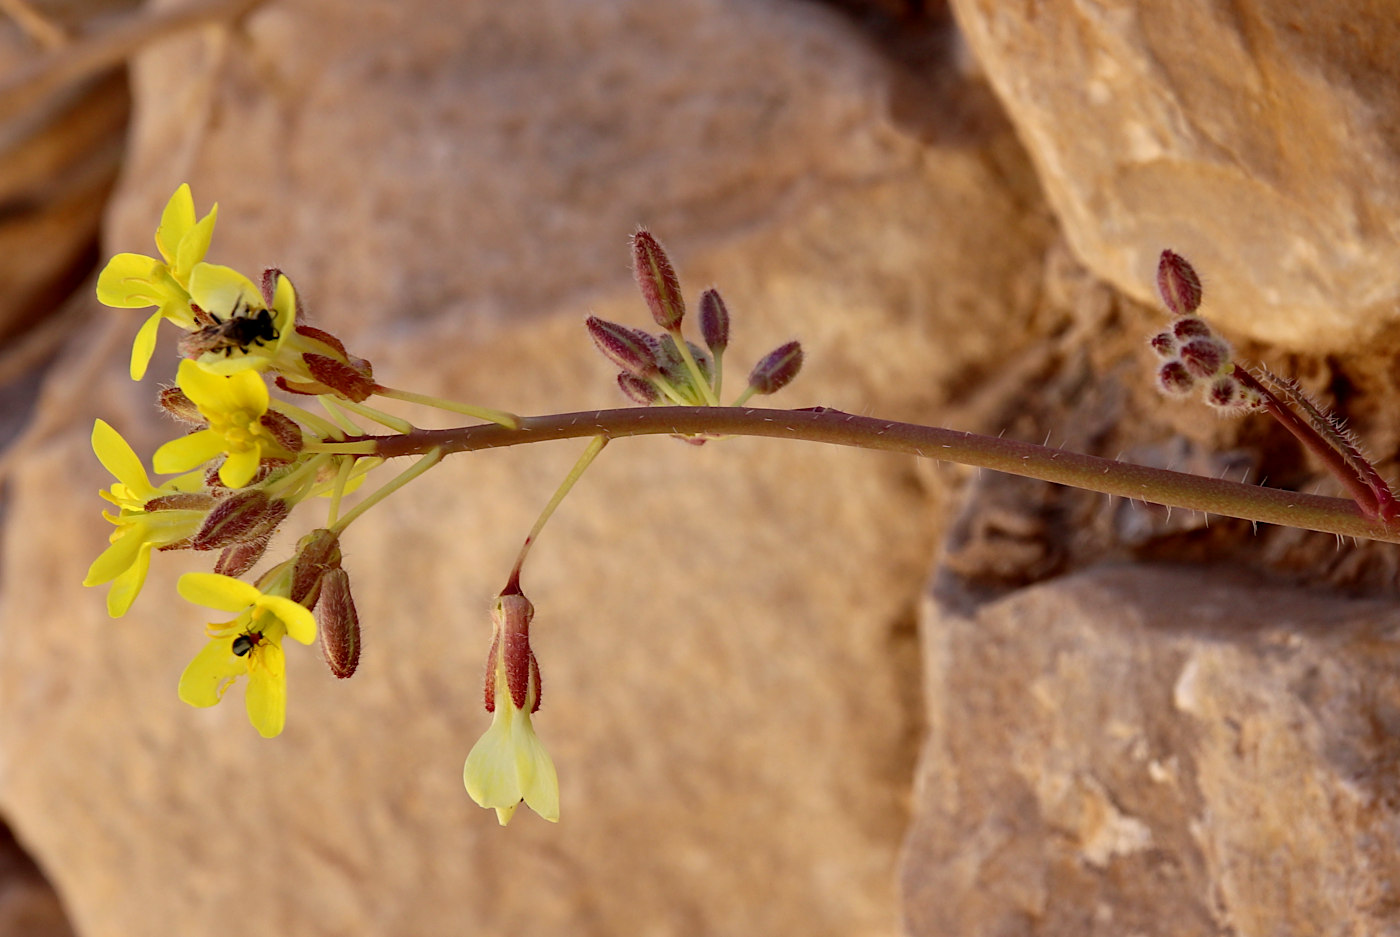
[(1193, 355), (665, 367)]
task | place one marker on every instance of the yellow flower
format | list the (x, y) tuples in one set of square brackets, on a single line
[(124, 564), (226, 293), (250, 644), (509, 764), (233, 405), (134, 281)]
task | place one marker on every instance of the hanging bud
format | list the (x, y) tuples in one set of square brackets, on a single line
[(776, 369), (1174, 380), (352, 383), (714, 321), (657, 279), (316, 553), (339, 624), (1205, 357), (632, 350), (638, 390), (247, 514), (1178, 284), (237, 559), (175, 404)]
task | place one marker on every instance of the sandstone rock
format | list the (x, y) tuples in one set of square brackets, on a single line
[(724, 631), (1259, 142), (1156, 752)]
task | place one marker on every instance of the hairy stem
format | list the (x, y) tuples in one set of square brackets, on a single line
[(1159, 486)]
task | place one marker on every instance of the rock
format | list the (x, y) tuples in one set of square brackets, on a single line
[(1129, 750), (725, 632), (1259, 143)]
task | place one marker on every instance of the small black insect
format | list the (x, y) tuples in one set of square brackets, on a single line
[(245, 642), (236, 333)]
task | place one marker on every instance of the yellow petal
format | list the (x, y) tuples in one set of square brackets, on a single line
[(129, 282), (207, 677), (206, 390), (117, 457), (185, 453), (247, 390), (145, 346), (219, 289), (301, 624), (539, 784), (117, 558), (240, 467), (126, 587), (194, 245), (212, 590), (489, 774), (267, 689), (175, 222)]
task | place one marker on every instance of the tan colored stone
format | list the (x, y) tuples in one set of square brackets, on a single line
[(1259, 141), (1156, 752), (724, 632)]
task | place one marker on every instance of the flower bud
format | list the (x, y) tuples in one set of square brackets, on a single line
[(1205, 357), (354, 384), (638, 390), (657, 279), (632, 350), (316, 553), (1178, 284), (776, 369), (510, 646), (339, 624), (237, 559), (1189, 327), (175, 404), (714, 321), (1174, 380), (1223, 393), (1164, 344), (180, 501), (247, 514)]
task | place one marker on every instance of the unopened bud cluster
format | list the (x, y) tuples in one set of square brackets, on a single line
[(1193, 356), (667, 368)]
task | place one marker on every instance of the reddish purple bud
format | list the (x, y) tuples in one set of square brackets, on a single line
[(1164, 343), (714, 321), (776, 369), (1204, 357), (1174, 380), (657, 279), (175, 404), (1178, 284), (354, 384), (638, 390), (236, 560), (339, 623), (510, 646), (245, 515), (317, 552), (1189, 327), (284, 429), (322, 336), (1223, 392), (632, 350)]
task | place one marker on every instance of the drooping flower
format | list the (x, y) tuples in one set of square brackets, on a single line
[(148, 517), (509, 764), (134, 281), (250, 644), (234, 406)]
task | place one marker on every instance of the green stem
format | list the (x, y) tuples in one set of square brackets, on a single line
[(690, 365), (430, 458), (1159, 486), (594, 447), (504, 418)]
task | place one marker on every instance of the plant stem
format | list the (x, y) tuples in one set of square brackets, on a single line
[(584, 461), (1159, 486)]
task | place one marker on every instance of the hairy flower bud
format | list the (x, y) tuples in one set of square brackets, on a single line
[(339, 624), (237, 559), (244, 515), (1189, 327), (285, 430), (317, 552), (1205, 357), (510, 645), (776, 369), (354, 384), (1164, 344), (632, 350), (657, 279), (1223, 393), (179, 406), (1178, 283), (1174, 380), (714, 321), (638, 390)]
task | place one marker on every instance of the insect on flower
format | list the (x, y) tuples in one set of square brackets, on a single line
[(236, 333), (245, 642)]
